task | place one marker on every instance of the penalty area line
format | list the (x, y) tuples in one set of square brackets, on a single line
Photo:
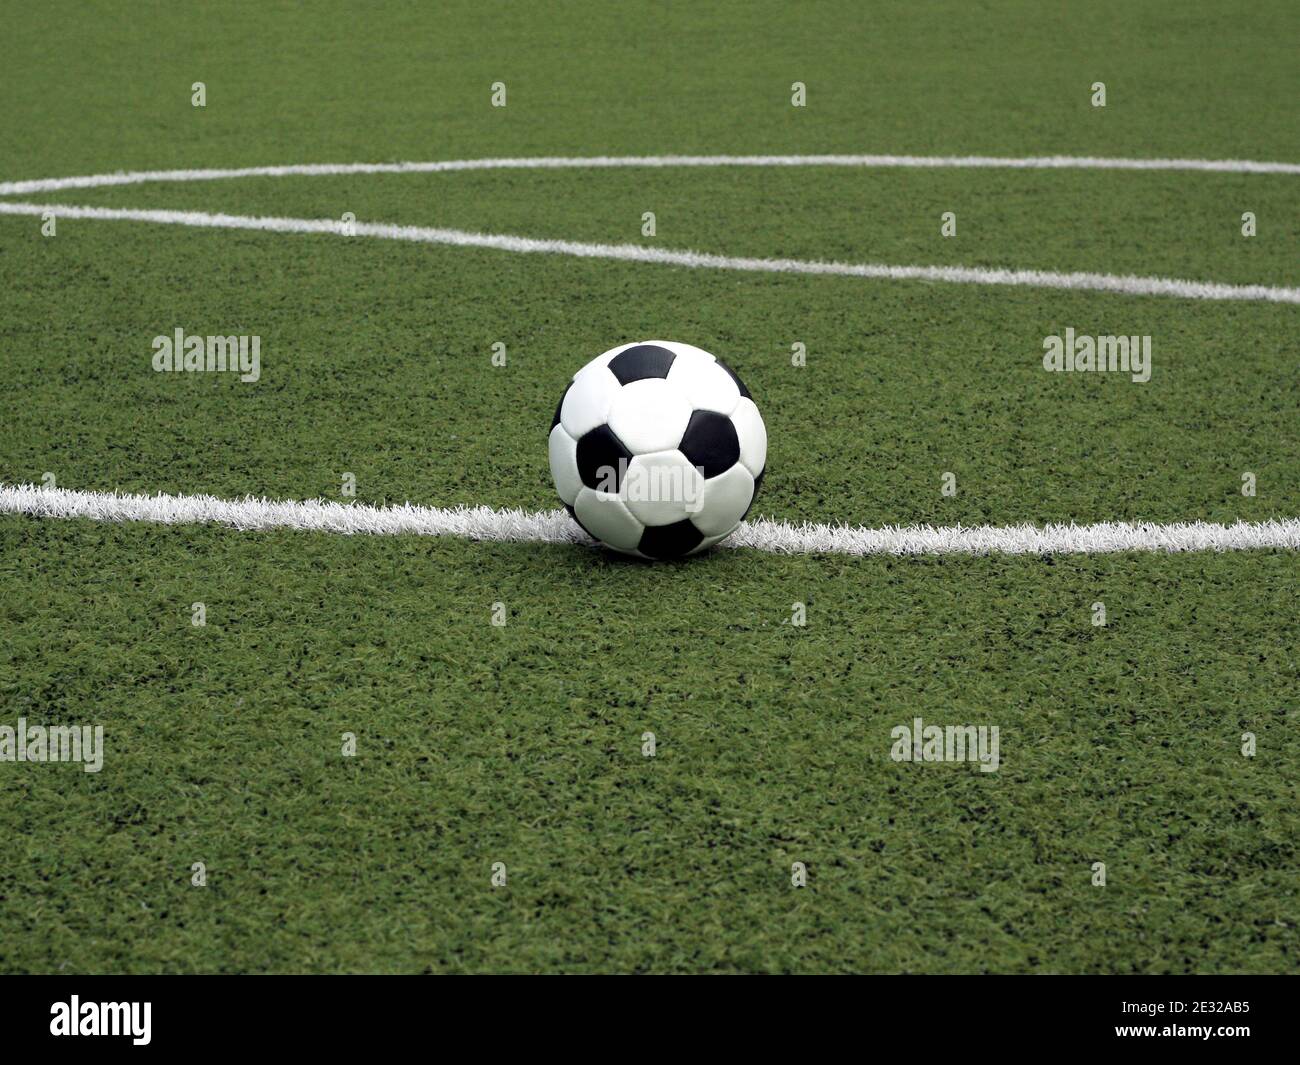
[(605, 162), (1078, 281), (555, 526)]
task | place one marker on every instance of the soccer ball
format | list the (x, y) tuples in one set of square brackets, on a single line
[(657, 449)]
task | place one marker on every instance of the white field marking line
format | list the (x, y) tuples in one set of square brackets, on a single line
[(921, 162), (1125, 284), (555, 526), (634, 253)]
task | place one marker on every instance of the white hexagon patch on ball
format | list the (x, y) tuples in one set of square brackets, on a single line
[(657, 449)]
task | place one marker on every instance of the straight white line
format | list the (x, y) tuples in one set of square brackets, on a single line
[(484, 523), (923, 162), (473, 523), (1115, 283)]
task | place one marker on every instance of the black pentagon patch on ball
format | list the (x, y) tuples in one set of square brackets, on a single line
[(602, 459), (559, 407), (710, 442), (739, 383), (640, 362), (670, 541)]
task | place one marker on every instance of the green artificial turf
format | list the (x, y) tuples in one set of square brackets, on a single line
[(522, 743)]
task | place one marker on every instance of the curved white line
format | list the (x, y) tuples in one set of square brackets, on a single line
[(921, 162), (555, 526), (1125, 284)]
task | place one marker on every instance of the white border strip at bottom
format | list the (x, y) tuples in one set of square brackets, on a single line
[(484, 523)]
